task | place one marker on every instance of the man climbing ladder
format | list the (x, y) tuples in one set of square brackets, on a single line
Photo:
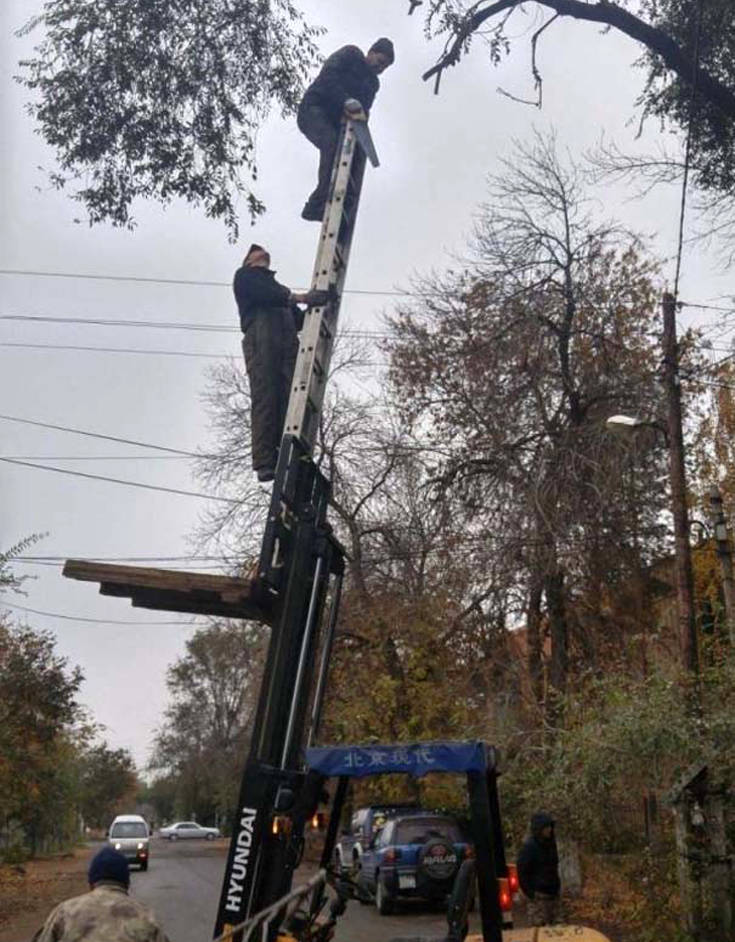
[(346, 86), (301, 565)]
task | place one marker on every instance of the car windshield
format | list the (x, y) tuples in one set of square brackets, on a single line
[(420, 830), (129, 829)]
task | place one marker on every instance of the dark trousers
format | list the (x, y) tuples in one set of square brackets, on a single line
[(324, 134), (270, 346)]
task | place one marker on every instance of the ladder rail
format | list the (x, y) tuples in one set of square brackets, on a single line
[(330, 269)]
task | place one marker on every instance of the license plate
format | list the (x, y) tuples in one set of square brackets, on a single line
[(406, 881)]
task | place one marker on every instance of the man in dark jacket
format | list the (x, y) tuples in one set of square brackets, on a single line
[(347, 76), (538, 871), (270, 321)]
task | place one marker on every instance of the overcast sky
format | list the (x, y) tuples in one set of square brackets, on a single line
[(416, 210)]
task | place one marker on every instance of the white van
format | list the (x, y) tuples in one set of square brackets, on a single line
[(130, 835)]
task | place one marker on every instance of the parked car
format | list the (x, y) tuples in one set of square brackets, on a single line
[(414, 856), (130, 834), (365, 825), (183, 830)]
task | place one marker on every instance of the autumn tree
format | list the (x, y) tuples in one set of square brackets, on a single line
[(418, 585), (107, 783), (156, 100), (514, 363), (38, 714), (206, 728)]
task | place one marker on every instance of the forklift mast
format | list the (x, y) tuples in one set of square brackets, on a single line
[(300, 568)]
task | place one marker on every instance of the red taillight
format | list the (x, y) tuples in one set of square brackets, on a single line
[(391, 855), (513, 884), (505, 898)]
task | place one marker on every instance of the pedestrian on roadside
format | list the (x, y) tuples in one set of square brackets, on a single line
[(538, 871), (106, 913)]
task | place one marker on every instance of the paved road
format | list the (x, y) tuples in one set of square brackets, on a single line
[(183, 883), (182, 886)]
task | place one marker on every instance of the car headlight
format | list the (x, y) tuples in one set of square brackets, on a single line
[(118, 846), (141, 845)]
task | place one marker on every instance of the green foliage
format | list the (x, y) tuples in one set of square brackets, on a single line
[(8, 579), (14, 854), (159, 99), (672, 39), (668, 95), (38, 710), (107, 781), (203, 741), (161, 794), (623, 738)]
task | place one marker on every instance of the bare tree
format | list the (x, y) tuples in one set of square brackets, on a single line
[(516, 361)]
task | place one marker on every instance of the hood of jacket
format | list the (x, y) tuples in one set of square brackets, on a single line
[(539, 821)]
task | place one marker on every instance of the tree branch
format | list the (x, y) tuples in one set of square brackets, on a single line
[(608, 14)]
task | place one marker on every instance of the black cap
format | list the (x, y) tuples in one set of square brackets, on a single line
[(385, 46), (108, 865)]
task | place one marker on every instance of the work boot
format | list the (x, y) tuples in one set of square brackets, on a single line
[(265, 474), (312, 213)]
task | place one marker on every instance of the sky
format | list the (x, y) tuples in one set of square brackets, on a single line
[(416, 213)]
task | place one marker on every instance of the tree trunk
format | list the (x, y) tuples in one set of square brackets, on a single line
[(534, 640), (554, 588)]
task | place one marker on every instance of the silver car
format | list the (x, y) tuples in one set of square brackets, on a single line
[(183, 830)]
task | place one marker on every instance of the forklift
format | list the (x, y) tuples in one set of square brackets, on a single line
[(296, 591)]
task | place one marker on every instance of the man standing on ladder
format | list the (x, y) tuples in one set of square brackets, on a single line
[(270, 320), (347, 84)]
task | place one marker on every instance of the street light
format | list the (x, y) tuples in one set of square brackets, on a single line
[(684, 572), (627, 424), (620, 422)]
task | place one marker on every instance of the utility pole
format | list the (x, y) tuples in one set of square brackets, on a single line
[(677, 477), (724, 553)]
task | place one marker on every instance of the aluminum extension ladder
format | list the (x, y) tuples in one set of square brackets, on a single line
[(330, 269)]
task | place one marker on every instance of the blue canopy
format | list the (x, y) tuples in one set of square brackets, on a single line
[(415, 758)]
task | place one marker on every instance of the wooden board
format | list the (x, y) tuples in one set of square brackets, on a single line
[(175, 591)]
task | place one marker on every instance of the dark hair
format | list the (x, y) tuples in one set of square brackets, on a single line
[(384, 46)]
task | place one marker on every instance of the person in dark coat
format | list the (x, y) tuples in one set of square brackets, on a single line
[(270, 321), (538, 871), (347, 76)]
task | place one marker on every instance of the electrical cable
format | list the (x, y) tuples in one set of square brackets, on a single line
[(108, 438), (167, 325), (109, 480), (136, 279), (95, 457), (161, 353), (94, 621)]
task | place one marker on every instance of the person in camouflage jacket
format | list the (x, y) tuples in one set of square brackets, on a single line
[(106, 913)]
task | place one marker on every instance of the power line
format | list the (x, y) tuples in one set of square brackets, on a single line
[(136, 279), (60, 560), (95, 457), (154, 324), (108, 438), (92, 621), (163, 353), (109, 480)]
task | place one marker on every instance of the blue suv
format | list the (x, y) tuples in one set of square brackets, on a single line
[(412, 857)]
